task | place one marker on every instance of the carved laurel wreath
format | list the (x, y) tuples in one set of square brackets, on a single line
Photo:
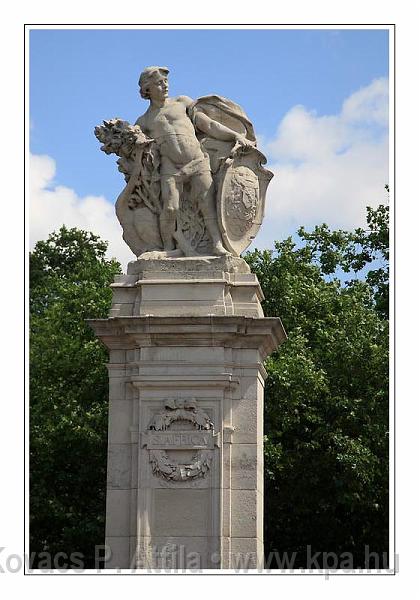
[(162, 465)]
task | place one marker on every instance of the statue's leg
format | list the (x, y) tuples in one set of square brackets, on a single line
[(202, 189), (170, 192)]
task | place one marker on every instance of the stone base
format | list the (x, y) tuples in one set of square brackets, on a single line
[(187, 341), (186, 286), (202, 370)]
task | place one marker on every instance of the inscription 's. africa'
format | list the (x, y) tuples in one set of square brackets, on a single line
[(182, 440)]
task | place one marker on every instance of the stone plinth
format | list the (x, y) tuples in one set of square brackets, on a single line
[(220, 285), (185, 454)]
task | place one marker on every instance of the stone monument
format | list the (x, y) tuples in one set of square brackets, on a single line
[(187, 337)]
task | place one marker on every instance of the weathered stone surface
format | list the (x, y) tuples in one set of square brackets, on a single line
[(118, 548), (187, 287), (120, 413), (119, 465), (246, 506), (118, 512), (246, 466), (191, 267), (192, 553), (246, 553), (181, 512)]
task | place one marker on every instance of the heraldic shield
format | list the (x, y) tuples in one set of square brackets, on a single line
[(242, 187)]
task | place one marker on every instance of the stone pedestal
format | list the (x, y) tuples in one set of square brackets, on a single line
[(187, 339)]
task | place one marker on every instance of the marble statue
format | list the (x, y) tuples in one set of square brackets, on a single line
[(195, 184)]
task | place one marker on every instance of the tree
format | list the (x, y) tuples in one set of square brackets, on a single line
[(69, 282), (354, 251), (326, 403)]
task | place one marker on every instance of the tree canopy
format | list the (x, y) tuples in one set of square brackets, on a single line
[(326, 401), (69, 282)]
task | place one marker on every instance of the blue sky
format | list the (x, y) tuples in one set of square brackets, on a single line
[(317, 99)]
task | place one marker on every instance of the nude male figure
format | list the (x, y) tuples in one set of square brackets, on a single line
[(182, 158)]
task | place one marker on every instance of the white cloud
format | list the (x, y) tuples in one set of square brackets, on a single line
[(369, 104), (328, 168), (52, 206)]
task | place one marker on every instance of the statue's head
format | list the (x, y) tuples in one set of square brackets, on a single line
[(149, 75)]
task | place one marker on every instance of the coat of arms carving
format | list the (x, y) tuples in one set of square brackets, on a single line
[(181, 428)]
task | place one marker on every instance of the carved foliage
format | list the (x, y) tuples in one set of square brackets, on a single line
[(163, 466)]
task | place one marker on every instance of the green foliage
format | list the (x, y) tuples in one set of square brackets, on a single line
[(353, 251), (326, 402), (70, 279)]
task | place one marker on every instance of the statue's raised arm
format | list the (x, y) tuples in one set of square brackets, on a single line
[(195, 181)]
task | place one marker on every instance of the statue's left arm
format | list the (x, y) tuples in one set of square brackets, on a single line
[(205, 124)]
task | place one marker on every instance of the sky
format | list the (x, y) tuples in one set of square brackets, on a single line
[(318, 100)]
